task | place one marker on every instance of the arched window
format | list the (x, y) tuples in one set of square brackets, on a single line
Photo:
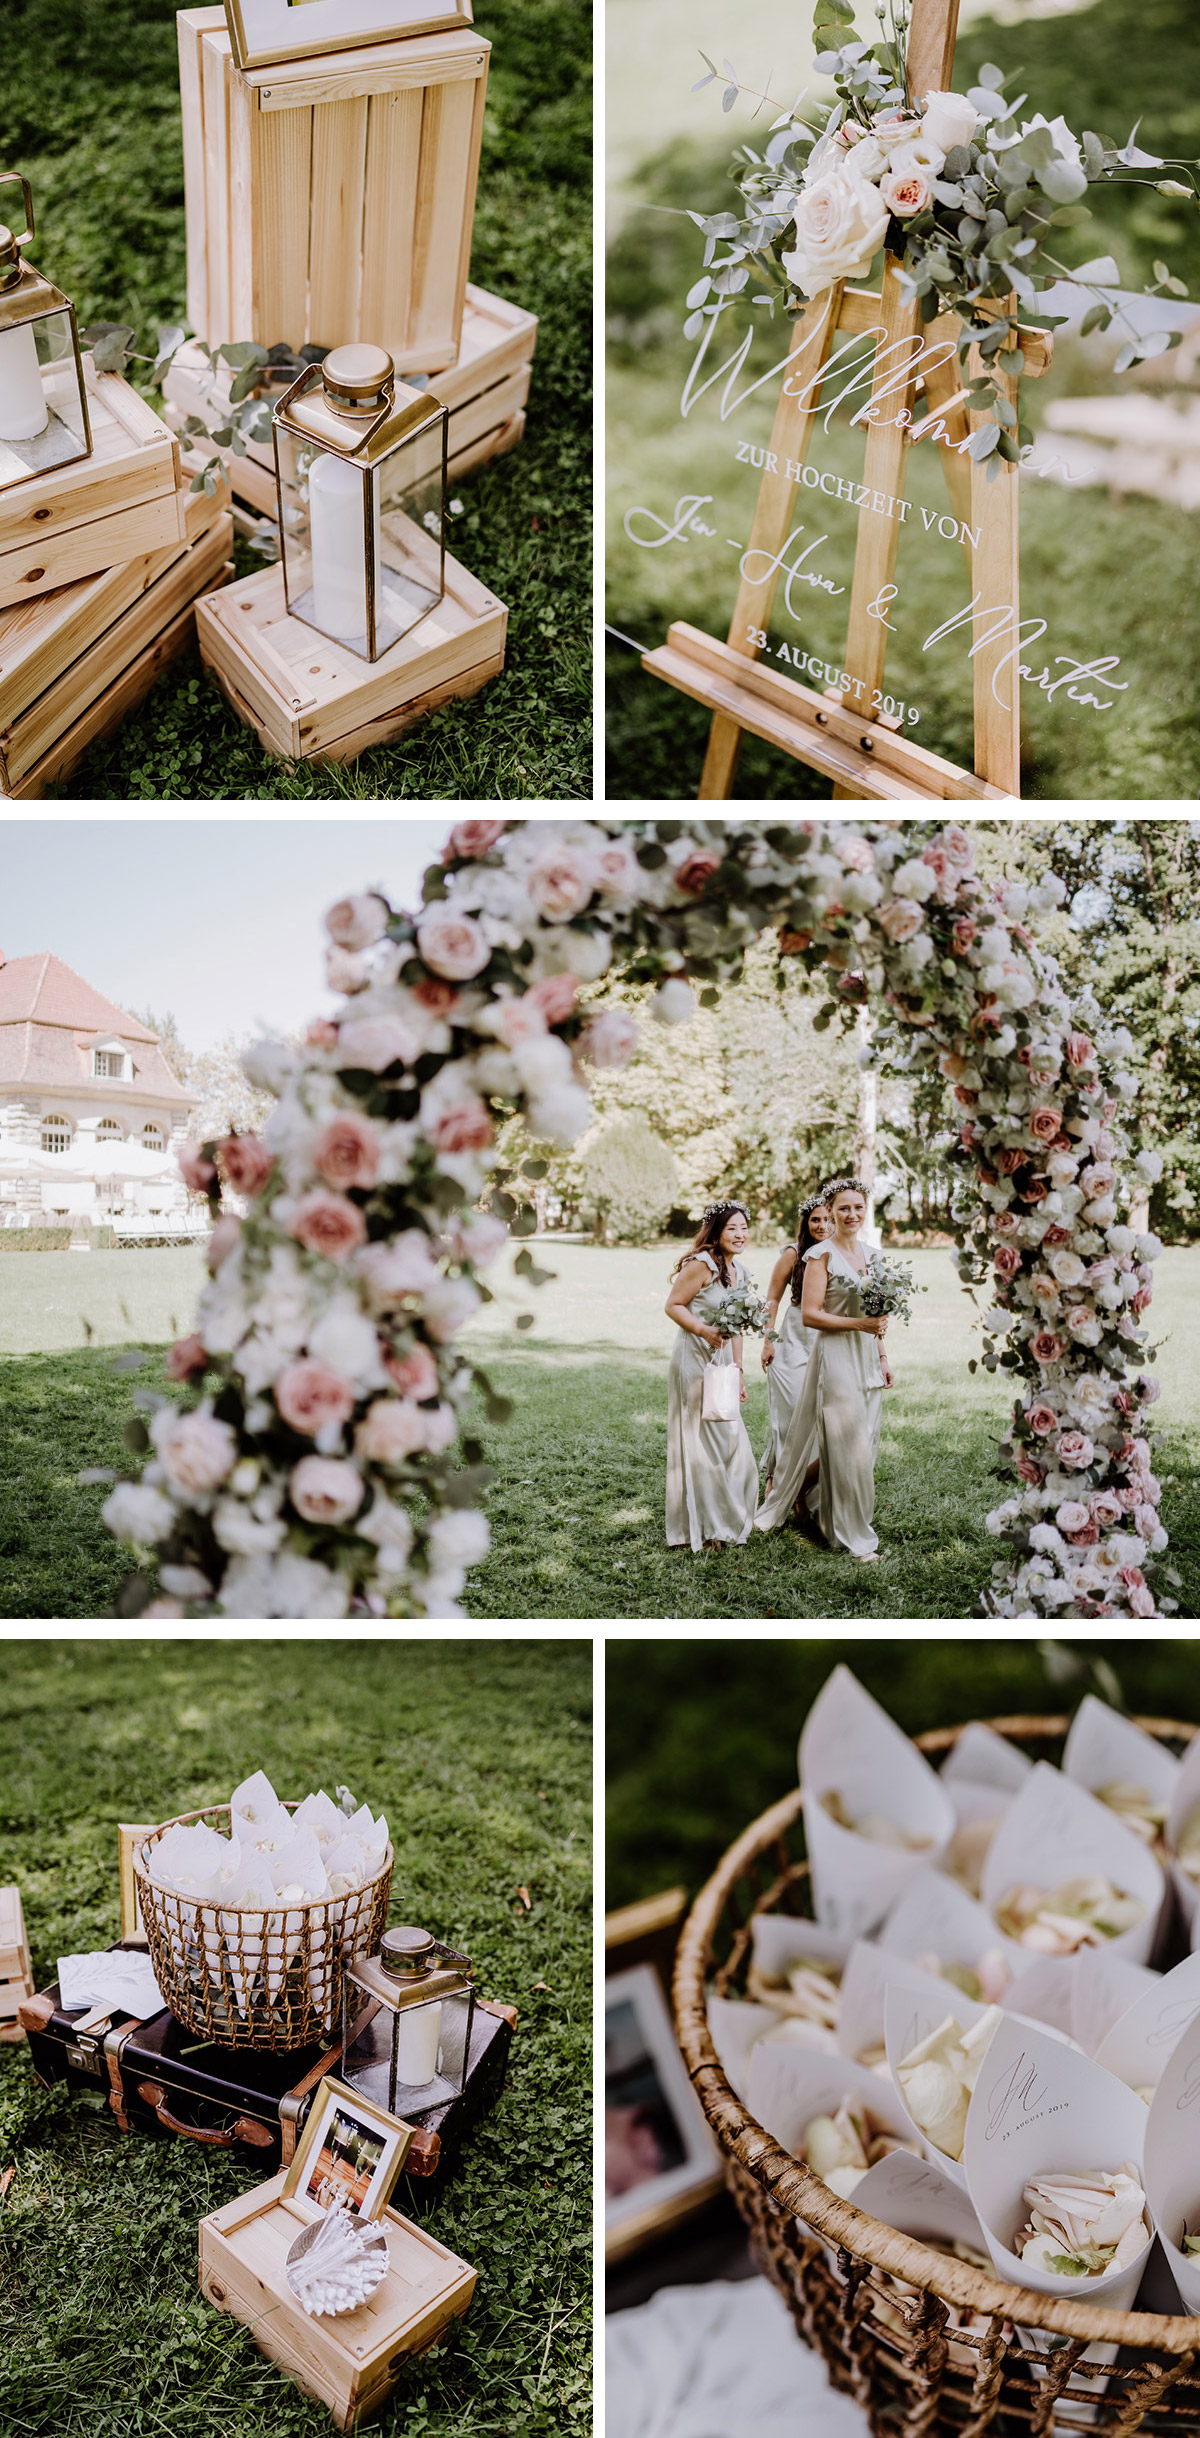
[(154, 1138), (108, 1131), (57, 1133)]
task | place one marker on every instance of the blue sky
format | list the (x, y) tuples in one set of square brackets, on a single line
[(217, 922)]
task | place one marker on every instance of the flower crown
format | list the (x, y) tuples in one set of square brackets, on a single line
[(723, 1210), (842, 1185)]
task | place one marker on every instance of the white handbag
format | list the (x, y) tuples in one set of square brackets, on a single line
[(721, 1393)]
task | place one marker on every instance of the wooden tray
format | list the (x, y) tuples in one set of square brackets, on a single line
[(74, 664), (311, 700), (332, 199), (351, 2363), (108, 508), (16, 1970), (485, 389)]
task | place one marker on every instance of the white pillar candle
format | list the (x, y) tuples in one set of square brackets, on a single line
[(417, 2030), (338, 540), (22, 400)]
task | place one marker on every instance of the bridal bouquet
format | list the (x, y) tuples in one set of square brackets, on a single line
[(969, 196), (743, 1310), (888, 1286)]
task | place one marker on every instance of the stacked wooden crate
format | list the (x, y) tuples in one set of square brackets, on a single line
[(16, 1970)]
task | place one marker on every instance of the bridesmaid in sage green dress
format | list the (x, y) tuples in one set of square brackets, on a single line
[(841, 1401), (712, 1478), (786, 1362)]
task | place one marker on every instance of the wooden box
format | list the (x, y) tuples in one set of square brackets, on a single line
[(312, 700), (75, 663), (350, 2363), (485, 389), (100, 511), (16, 1971), (332, 199)]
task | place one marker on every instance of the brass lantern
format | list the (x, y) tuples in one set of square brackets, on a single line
[(360, 469), (410, 2047), (43, 402)]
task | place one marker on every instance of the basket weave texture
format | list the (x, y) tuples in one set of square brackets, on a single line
[(253, 1977), (927, 2345)]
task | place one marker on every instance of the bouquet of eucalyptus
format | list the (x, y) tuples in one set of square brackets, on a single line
[(743, 1312), (887, 1286)]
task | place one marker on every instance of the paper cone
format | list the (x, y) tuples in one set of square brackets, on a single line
[(982, 1759), (1139, 2044), (918, 2200), (907, 2020), (1103, 1988), (781, 1940), (787, 2087), (1172, 2156), (736, 2024), (935, 1916), (1054, 1831), (1103, 1747), (1046, 1994), (851, 1747), (1040, 2107), (870, 1972), (1185, 1801)]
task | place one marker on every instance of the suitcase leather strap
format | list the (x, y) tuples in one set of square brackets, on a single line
[(245, 2130)]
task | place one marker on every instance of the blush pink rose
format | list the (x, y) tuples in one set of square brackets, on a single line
[(321, 1034), (1106, 1508), (609, 1038), (1080, 1052), (392, 1430), (1035, 1189), (1075, 1451), (940, 865), (470, 839), (1007, 1260), (964, 935), (346, 972), (1151, 1389), (515, 1020), (325, 1489), (441, 1429), (1041, 1418), (466, 1126), (561, 881), (615, 867), (197, 1172), (556, 997), (1029, 1471), (328, 1224), (452, 945), (438, 996), (905, 192), (1071, 1516), (959, 847), (1004, 1223), (347, 1152), (1086, 1537), (310, 1395), (1102, 1273), (900, 919), (223, 1240), (198, 1453), (415, 1374), (244, 1162), (185, 1358), (693, 875), (357, 922), (398, 1270), (1055, 1236), (856, 855), (1141, 1600), (1046, 1347), (1044, 1124), (1140, 1301), (1145, 1520), (376, 1043), (1044, 1287), (1009, 1161)]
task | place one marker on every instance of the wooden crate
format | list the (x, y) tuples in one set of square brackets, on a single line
[(16, 1970), (351, 2363), (311, 700), (75, 663), (332, 199), (485, 390), (101, 511)]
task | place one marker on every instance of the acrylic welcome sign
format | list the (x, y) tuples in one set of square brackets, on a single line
[(840, 562)]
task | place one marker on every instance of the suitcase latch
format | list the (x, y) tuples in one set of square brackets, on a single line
[(84, 2054)]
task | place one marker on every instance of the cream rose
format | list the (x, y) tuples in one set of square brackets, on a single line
[(906, 192), (841, 222), (948, 119)]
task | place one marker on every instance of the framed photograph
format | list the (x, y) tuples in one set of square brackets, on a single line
[(350, 2151), (265, 32), (660, 2160), (129, 1836)]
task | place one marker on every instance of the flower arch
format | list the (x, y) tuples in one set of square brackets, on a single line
[(327, 1471)]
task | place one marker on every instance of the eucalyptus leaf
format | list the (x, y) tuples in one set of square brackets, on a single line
[(1097, 317), (696, 296), (982, 442)]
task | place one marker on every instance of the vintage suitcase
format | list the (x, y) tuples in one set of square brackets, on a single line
[(157, 2075)]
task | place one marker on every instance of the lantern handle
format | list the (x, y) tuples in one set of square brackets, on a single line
[(13, 177)]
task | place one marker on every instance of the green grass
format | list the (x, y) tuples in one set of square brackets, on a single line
[(577, 1504), (479, 1753), (701, 1736), (91, 113)]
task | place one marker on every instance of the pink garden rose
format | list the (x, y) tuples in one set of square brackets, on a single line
[(310, 1395), (1145, 1520), (470, 839), (1029, 1471), (1141, 1301), (959, 847), (1044, 1287), (244, 1162), (463, 1126), (1007, 1260), (555, 996), (1071, 1516), (347, 1152), (906, 192), (1080, 1052), (198, 1453), (392, 1431), (901, 919), (1044, 1124), (1004, 1222), (964, 935), (415, 1374), (1041, 1418), (693, 875), (452, 945), (1106, 1509), (1086, 1537), (328, 1224), (357, 922), (320, 1034), (1046, 1347), (376, 1043), (615, 868), (1075, 1451), (1055, 1235), (609, 1038), (1141, 1599), (1035, 1189), (515, 1020), (1009, 1160), (940, 865), (399, 1270), (561, 881), (185, 1358), (1150, 1388), (197, 1172), (346, 972), (856, 854), (325, 1489), (438, 996), (223, 1240)]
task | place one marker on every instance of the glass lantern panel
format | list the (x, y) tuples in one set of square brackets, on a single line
[(42, 421), (412, 547), (354, 535), (431, 2062)]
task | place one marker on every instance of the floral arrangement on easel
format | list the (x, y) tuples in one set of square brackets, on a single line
[(968, 202), (328, 1464)]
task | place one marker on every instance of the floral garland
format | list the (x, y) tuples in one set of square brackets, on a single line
[(318, 1475), (968, 204)]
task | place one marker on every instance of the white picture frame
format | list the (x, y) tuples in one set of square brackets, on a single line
[(659, 2150), (265, 33)]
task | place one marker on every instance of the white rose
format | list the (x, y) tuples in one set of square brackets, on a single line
[(586, 954), (270, 1063), (1149, 1247), (1149, 1165), (916, 879), (866, 158), (673, 1003), (1066, 1267), (460, 1538), (841, 222), (920, 156), (449, 1305), (948, 119), (242, 1534), (136, 1514), (542, 1064), (560, 1116), (346, 1340)]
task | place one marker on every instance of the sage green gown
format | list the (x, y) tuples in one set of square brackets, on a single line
[(785, 1378), (712, 1478), (836, 1418)]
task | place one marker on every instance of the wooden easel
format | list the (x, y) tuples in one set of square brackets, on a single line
[(861, 749)]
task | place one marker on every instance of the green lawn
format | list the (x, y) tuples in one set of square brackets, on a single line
[(577, 1505), (701, 1736), (479, 1754), (91, 114)]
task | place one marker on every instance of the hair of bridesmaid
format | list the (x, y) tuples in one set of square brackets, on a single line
[(707, 1238)]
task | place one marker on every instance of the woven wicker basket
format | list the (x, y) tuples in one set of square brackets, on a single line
[(926, 2344), (248, 1977)]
